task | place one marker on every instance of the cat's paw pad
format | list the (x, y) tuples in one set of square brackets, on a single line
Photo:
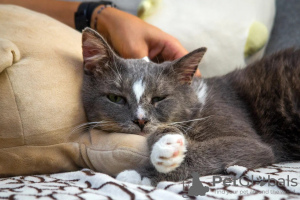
[(168, 152), (132, 176)]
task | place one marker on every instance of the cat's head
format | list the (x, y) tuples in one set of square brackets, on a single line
[(133, 95)]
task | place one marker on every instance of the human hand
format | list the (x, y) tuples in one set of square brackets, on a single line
[(131, 37)]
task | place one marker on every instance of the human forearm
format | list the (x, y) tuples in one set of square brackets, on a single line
[(60, 10), (130, 36)]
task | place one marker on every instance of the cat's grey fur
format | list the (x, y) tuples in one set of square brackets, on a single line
[(250, 117)]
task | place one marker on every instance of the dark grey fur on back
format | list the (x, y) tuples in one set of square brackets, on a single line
[(250, 117)]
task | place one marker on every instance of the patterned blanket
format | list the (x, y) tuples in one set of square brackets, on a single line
[(278, 181)]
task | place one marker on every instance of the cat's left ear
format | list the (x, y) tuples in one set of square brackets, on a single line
[(96, 51), (186, 66)]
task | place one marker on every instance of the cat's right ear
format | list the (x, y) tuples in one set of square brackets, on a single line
[(186, 66), (97, 54)]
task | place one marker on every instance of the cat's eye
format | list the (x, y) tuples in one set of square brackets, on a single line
[(116, 99), (157, 99)]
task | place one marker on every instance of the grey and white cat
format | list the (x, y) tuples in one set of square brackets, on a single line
[(250, 117)]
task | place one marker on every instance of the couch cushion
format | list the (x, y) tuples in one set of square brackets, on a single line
[(40, 103)]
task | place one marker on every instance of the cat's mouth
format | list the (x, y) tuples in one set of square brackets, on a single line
[(114, 127), (145, 132)]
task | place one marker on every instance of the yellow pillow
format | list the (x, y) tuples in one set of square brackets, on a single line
[(40, 104)]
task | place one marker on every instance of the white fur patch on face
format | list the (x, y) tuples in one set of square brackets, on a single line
[(202, 92), (132, 176), (168, 152), (138, 89), (146, 58), (140, 113)]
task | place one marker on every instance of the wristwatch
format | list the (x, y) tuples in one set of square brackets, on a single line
[(84, 13)]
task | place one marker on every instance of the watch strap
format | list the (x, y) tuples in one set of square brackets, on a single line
[(84, 13)]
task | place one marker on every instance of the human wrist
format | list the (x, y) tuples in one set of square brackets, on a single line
[(102, 21), (95, 16)]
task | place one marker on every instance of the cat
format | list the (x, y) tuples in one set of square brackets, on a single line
[(249, 117)]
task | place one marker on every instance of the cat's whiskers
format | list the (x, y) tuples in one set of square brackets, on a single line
[(179, 125), (106, 124), (87, 126), (181, 128), (83, 126), (159, 76), (109, 126), (118, 72), (199, 119), (157, 60), (115, 81), (185, 127)]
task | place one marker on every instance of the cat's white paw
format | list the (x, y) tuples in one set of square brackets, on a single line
[(168, 152), (132, 176)]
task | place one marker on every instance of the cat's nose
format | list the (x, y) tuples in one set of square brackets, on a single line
[(141, 122)]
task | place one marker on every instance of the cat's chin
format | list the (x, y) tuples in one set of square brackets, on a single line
[(143, 134)]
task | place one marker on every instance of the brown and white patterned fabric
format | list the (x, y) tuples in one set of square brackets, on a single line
[(278, 181)]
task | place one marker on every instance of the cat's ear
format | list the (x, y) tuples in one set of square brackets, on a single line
[(186, 66), (97, 54)]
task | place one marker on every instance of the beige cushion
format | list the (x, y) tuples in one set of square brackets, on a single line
[(40, 104)]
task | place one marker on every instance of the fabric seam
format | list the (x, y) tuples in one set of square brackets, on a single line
[(24, 143)]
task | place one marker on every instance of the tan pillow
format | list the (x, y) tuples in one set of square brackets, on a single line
[(40, 104)]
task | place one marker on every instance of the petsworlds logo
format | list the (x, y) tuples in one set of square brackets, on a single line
[(197, 187), (250, 181)]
